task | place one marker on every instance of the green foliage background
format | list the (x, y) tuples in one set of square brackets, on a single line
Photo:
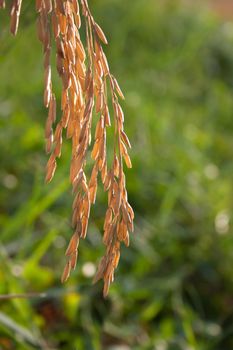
[(174, 286)]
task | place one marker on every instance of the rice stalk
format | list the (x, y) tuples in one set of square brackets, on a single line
[(86, 84)]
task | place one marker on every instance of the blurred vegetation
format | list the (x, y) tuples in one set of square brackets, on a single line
[(174, 286)]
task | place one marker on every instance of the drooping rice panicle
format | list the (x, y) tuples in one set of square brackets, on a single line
[(86, 83)]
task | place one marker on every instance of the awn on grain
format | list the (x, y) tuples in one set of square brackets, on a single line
[(85, 76)]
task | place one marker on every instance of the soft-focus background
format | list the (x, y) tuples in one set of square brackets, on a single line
[(174, 287)]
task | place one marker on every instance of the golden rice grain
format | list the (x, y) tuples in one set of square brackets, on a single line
[(66, 272), (100, 33)]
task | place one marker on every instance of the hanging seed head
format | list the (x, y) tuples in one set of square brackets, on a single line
[(85, 75)]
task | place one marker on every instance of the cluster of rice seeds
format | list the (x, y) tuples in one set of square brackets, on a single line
[(119, 216), (85, 77)]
